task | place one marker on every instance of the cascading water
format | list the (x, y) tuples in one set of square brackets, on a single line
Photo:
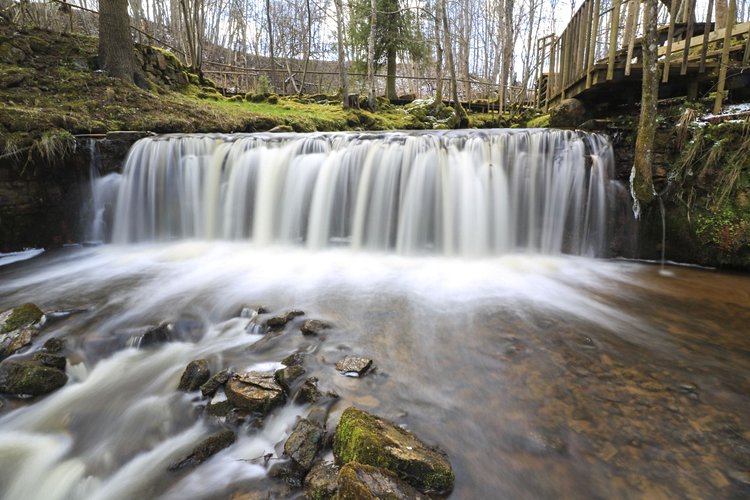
[(452, 193)]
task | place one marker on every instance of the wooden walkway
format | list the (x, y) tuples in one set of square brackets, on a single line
[(598, 57)]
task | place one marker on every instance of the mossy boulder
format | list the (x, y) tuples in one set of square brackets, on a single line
[(18, 328), (363, 482), (30, 377), (539, 122), (370, 440), (570, 113), (320, 482)]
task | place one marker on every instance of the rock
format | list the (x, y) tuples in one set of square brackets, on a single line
[(308, 392), (195, 375), (50, 359), (151, 336), (314, 327), (277, 322), (212, 385), (364, 482), (252, 311), (17, 328), (569, 113), (294, 359), (30, 377), (370, 440), (303, 443), (254, 391), (320, 482), (286, 376), (281, 129), (354, 366), (54, 345), (205, 449)]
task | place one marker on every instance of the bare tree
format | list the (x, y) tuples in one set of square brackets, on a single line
[(343, 80), (463, 119), (115, 42)]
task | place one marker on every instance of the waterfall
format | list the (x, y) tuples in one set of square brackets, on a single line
[(460, 193)]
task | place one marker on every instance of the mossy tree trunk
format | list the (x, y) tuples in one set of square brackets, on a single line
[(463, 119), (643, 186), (390, 84), (115, 42)]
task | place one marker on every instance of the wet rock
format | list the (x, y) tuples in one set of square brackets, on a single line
[(286, 376), (538, 443), (370, 440), (278, 322), (303, 443), (195, 375), (205, 449), (219, 406), (54, 345), (30, 378), (17, 328), (254, 391), (314, 326), (320, 482), (364, 482), (252, 311), (50, 359), (213, 384), (568, 114), (152, 336), (308, 392), (296, 358), (354, 366)]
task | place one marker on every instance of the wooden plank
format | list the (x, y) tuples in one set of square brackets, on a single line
[(746, 57), (706, 32), (670, 36), (636, 7), (716, 35), (551, 89), (585, 28), (731, 16), (592, 43), (564, 62), (614, 24), (688, 35)]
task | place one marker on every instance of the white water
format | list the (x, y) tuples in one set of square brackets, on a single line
[(453, 193)]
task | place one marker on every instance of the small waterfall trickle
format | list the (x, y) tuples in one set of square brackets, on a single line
[(103, 196), (452, 193)]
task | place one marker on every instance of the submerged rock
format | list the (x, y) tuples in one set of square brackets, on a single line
[(320, 482), (213, 384), (18, 328), (364, 482), (303, 443), (279, 321), (195, 375), (370, 440), (254, 391), (314, 326), (205, 449), (30, 377), (354, 366)]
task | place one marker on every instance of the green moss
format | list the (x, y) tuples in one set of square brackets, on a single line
[(22, 316), (539, 122)]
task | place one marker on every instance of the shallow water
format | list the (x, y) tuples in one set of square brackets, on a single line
[(541, 377)]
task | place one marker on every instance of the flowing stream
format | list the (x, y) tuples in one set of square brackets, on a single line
[(461, 263)]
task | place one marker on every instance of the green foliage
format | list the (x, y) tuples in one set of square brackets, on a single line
[(728, 229), (264, 85)]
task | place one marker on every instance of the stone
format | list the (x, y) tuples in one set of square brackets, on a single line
[(54, 345), (303, 443), (354, 366), (14, 341), (30, 378), (212, 385), (254, 391), (195, 375), (50, 359), (205, 449), (308, 392), (570, 113), (17, 328), (367, 439), (152, 336), (320, 482), (296, 358), (314, 326), (364, 482), (279, 321), (287, 375)]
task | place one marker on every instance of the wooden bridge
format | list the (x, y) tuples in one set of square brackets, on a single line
[(598, 57)]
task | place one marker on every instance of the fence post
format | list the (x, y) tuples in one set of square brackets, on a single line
[(614, 27), (592, 44), (731, 15)]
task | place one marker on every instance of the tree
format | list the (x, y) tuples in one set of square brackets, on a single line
[(115, 42), (343, 81), (463, 119), (642, 183)]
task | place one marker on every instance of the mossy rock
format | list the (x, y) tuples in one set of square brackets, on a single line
[(370, 440), (19, 317), (320, 482), (30, 378), (539, 122), (363, 482)]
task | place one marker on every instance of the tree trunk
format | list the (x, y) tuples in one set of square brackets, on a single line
[(272, 74), (115, 43), (390, 83), (308, 45), (343, 81), (721, 8), (642, 181), (371, 101), (438, 62), (463, 119)]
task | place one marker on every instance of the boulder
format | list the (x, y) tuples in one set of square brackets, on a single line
[(296, 358), (254, 391), (370, 440), (54, 345), (314, 326), (50, 359), (354, 366), (151, 336), (570, 113), (277, 322), (303, 443), (320, 482), (195, 375), (287, 375), (30, 378), (308, 392), (363, 482), (213, 384), (205, 449), (18, 328)]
